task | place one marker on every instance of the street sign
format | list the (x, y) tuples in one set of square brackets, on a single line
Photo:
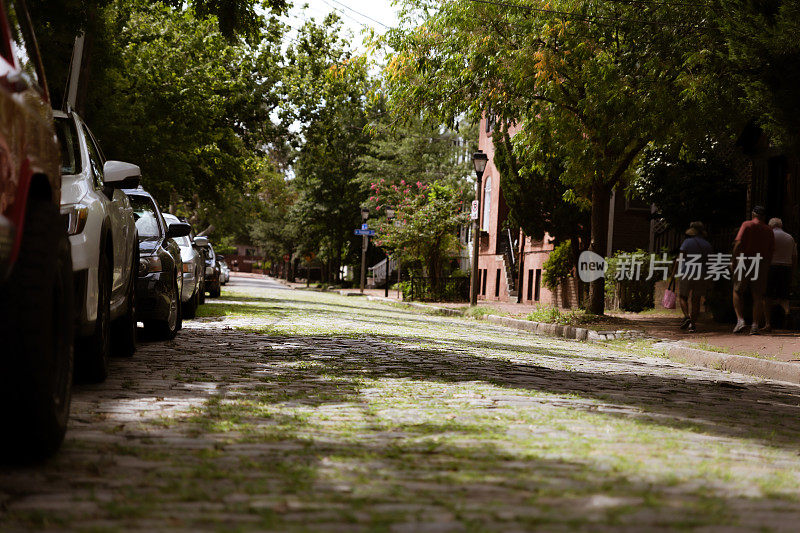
[(364, 226), (473, 214), (367, 232)]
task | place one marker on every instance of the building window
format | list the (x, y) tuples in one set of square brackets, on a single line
[(537, 286), (530, 284), (483, 287), (497, 284), (487, 203)]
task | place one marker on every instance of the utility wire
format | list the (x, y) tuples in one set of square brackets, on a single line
[(360, 13), (584, 18)]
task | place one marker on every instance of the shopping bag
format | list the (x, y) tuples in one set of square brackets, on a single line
[(669, 299)]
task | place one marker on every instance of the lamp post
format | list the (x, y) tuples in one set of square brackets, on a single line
[(364, 238), (479, 160), (389, 218)]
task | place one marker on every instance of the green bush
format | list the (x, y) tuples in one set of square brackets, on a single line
[(558, 266), (630, 295)]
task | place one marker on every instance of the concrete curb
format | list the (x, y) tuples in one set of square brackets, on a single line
[(676, 350), (740, 364)]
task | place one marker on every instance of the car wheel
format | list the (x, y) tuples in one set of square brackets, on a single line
[(215, 290), (124, 328), (190, 307), (167, 329), (37, 328), (93, 352)]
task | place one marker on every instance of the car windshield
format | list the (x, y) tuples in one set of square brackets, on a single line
[(68, 141), (183, 242), (146, 216)]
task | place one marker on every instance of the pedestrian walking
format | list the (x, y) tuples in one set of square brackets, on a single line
[(692, 286), (750, 260), (779, 281)]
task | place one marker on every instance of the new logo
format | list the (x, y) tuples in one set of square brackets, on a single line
[(591, 266)]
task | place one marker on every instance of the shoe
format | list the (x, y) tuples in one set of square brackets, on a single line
[(691, 328), (740, 327), (686, 322), (754, 330), (766, 329)]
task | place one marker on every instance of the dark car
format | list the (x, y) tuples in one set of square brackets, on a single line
[(159, 282), (36, 287), (213, 285)]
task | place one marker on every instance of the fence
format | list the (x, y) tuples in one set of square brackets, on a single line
[(440, 290)]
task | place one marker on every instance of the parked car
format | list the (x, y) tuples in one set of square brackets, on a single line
[(212, 273), (193, 267), (104, 246), (36, 307), (224, 272), (200, 244), (159, 282)]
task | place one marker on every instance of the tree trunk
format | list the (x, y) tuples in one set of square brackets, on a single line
[(575, 248), (601, 194), (521, 269)]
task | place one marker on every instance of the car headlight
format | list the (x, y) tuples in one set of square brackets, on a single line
[(149, 264), (76, 218)]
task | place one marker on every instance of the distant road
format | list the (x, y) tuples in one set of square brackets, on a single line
[(257, 283)]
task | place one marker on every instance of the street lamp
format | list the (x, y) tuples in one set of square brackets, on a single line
[(479, 160)]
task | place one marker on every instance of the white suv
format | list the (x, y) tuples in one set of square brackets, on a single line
[(105, 247)]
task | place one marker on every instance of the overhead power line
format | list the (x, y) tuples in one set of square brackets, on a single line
[(359, 13), (585, 18)]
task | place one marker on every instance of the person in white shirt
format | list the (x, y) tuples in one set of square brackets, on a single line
[(784, 261)]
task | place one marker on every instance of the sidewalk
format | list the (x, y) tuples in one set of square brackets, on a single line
[(665, 324)]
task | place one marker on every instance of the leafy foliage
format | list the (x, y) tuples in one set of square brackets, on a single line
[(427, 218), (686, 184), (559, 265)]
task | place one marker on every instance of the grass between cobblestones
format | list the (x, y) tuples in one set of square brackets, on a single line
[(291, 410)]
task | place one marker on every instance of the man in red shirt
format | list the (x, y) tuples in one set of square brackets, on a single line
[(752, 254)]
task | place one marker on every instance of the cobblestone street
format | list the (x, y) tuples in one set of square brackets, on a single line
[(298, 410)]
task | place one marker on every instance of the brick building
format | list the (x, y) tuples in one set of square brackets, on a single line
[(498, 266)]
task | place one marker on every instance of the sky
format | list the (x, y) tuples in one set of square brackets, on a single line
[(355, 14)]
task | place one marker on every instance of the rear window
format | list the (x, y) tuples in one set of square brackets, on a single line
[(68, 141), (146, 216)]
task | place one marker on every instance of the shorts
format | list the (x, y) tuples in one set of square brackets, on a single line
[(698, 287), (779, 282), (757, 286)]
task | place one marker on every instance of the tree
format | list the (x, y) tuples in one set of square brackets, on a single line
[(327, 88), (427, 218), (680, 179), (538, 200), (603, 79), (762, 53)]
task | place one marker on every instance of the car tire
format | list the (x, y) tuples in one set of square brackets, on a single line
[(167, 329), (37, 324), (215, 290), (123, 330), (190, 307), (91, 362)]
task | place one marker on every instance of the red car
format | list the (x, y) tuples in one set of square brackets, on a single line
[(36, 285)]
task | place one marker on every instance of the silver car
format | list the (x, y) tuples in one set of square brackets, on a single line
[(192, 272), (224, 272)]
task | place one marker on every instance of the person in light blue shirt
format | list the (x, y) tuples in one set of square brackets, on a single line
[(692, 260)]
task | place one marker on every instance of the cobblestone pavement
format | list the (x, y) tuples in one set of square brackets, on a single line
[(291, 410)]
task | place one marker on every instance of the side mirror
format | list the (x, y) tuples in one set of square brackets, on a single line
[(119, 175), (202, 242), (178, 229)]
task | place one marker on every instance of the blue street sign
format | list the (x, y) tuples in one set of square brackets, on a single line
[(364, 226), (367, 232)]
